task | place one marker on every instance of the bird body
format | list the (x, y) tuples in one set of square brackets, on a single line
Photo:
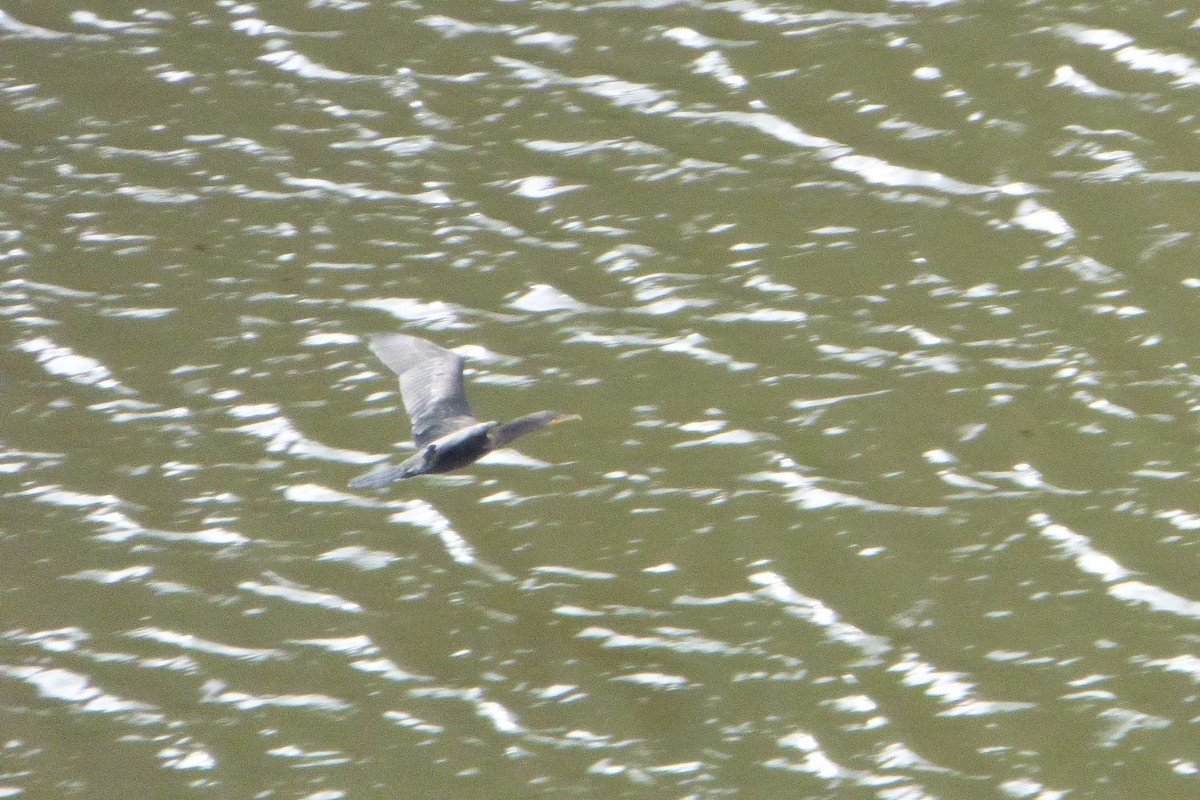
[(447, 433)]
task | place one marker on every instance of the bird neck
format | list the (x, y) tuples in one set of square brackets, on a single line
[(501, 435)]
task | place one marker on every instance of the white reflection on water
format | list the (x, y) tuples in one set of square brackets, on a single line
[(435, 315), (688, 344), (421, 514), (875, 170), (1028, 477), (110, 576), (353, 645), (281, 435), (180, 759), (768, 315), (406, 720), (129, 410), (716, 64), (287, 590), (676, 640), (1026, 788), (360, 557), (72, 687), (316, 493), (66, 363), (1124, 721), (951, 687), (818, 763), (654, 680), (537, 187), (571, 572), (388, 669), (362, 649), (71, 499), (1090, 560), (190, 641), (307, 759), (542, 298), (806, 494), (118, 527), (319, 187), (670, 305), (25, 30), (62, 640), (13, 461), (501, 717), (897, 756), (735, 437), (821, 402), (327, 339), (304, 67), (1183, 68), (1156, 598), (1185, 663), (215, 691), (509, 457), (776, 589), (1079, 547), (1033, 216)]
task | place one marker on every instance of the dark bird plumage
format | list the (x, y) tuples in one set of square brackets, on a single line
[(445, 430)]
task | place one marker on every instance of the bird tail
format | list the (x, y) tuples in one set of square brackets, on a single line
[(385, 474), (380, 476)]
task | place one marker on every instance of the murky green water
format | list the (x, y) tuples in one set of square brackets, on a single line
[(880, 318)]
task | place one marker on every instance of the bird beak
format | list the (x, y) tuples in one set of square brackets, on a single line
[(565, 418)]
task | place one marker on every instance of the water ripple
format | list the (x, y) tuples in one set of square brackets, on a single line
[(190, 641), (289, 591)]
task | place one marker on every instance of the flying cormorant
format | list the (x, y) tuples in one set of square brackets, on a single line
[(446, 432)]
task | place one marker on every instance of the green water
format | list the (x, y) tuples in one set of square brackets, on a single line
[(879, 318)]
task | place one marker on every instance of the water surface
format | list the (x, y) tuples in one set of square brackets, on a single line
[(880, 319)]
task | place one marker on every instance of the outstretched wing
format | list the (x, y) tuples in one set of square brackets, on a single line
[(431, 384)]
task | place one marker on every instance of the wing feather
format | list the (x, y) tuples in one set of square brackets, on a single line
[(431, 384)]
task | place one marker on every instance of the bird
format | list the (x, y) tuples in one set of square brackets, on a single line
[(446, 432)]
